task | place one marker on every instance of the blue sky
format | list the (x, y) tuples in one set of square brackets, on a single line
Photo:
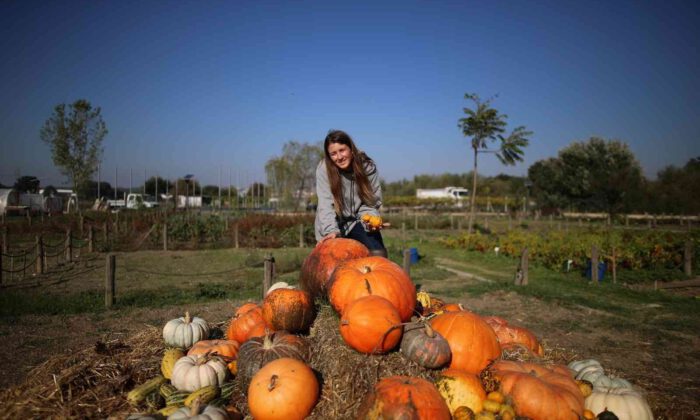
[(204, 87)]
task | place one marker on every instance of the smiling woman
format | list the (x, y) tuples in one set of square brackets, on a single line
[(349, 194)]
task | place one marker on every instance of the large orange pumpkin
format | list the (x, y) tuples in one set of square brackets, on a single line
[(403, 397), (226, 349), (376, 276), (248, 322), (284, 389), (539, 392), (473, 343), (288, 309), (318, 267), (371, 324), (511, 336)]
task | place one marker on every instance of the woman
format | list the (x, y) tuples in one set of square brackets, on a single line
[(347, 185)]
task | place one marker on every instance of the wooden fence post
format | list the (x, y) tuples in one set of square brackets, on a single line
[(614, 265), (105, 232), (269, 274), (452, 222), (407, 261), (91, 239), (415, 222), (521, 275), (69, 247), (0, 270), (5, 244), (235, 235), (165, 236), (687, 259), (110, 280), (403, 231), (39, 255), (594, 264), (301, 235), (29, 218), (81, 225)]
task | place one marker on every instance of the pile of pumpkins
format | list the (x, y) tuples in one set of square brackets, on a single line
[(380, 310)]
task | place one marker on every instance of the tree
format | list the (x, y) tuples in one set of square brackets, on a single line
[(161, 187), (75, 137), (485, 124), (27, 184), (596, 175), (677, 190), (293, 173), (90, 189)]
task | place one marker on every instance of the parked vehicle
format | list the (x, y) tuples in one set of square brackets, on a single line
[(455, 193), (134, 201)]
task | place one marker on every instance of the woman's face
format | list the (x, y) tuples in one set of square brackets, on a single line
[(340, 154)]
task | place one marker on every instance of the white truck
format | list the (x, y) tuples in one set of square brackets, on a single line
[(455, 193), (134, 201)]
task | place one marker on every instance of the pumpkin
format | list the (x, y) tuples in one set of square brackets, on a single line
[(607, 415), (510, 335), (194, 372), (200, 412), (539, 392), (585, 387), (592, 371), (399, 397), (284, 389), (226, 349), (372, 276), (421, 344), (459, 389), (258, 351), (247, 322), (279, 285), (473, 343), (627, 404), (317, 268), (170, 357), (423, 302), (288, 309), (463, 413), (185, 331), (452, 307), (371, 324), (588, 414)]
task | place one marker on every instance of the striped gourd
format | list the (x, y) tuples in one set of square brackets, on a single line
[(169, 358), (139, 394), (167, 389), (227, 389), (204, 395), (177, 398), (168, 410), (154, 401)]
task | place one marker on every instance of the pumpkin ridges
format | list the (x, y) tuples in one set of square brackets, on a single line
[(258, 351), (248, 322), (285, 388), (403, 395), (288, 309), (317, 268), (371, 324)]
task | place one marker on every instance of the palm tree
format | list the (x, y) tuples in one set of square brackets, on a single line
[(485, 124)]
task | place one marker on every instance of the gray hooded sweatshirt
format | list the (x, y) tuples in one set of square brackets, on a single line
[(327, 221)]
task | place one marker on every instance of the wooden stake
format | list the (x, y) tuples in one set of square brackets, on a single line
[(110, 280), (594, 264), (165, 236), (91, 239), (269, 274), (614, 265), (407, 261), (301, 235), (235, 235), (69, 247), (39, 255), (521, 275), (687, 258)]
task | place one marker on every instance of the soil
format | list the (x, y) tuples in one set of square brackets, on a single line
[(667, 369)]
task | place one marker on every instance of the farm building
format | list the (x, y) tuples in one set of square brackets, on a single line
[(9, 200)]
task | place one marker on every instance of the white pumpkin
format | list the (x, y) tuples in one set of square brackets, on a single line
[(209, 412), (193, 372), (591, 370), (279, 285), (185, 331), (627, 404)]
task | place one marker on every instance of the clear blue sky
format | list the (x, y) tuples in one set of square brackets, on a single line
[(199, 86)]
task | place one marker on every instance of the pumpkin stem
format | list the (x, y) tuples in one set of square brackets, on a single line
[(187, 317), (366, 269), (267, 341), (194, 409), (273, 382), (429, 331), (368, 286)]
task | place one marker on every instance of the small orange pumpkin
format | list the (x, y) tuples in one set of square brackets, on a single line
[(248, 322), (473, 343), (226, 349), (371, 324), (510, 335), (284, 389), (376, 276), (288, 309), (399, 397), (317, 268)]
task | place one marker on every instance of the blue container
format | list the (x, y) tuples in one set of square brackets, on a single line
[(601, 270), (414, 255)]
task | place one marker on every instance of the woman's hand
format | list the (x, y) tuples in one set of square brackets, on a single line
[(331, 235)]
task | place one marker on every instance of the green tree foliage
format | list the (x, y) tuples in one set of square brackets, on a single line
[(27, 184), (90, 190), (596, 175), (75, 136), (163, 185), (485, 124), (293, 173), (676, 190)]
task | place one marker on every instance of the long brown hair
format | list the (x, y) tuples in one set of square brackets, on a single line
[(359, 160)]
